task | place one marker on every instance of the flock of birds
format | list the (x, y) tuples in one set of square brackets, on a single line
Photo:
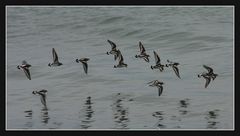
[(208, 76)]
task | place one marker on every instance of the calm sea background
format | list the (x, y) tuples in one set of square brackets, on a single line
[(108, 98)]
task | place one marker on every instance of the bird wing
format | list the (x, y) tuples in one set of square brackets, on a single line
[(157, 59), (142, 49), (210, 70), (27, 72), (176, 71), (160, 89), (120, 59), (85, 66), (208, 79), (112, 44), (43, 98), (55, 57)]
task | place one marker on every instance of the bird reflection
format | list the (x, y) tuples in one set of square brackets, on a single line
[(183, 104), (159, 116), (88, 113), (44, 115), (211, 117), (120, 113), (29, 123)]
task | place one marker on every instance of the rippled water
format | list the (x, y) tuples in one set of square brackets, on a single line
[(109, 98)]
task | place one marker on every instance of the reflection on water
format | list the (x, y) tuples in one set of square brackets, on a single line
[(211, 118), (88, 113), (44, 115), (29, 123), (159, 116), (183, 105), (120, 113)]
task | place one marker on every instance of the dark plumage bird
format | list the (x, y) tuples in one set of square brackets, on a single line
[(42, 94), (84, 62), (208, 76), (143, 53), (25, 67), (120, 63), (174, 67), (158, 62), (158, 84), (114, 51), (55, 59)]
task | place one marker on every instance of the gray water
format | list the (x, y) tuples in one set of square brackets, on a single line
[(109, 98)]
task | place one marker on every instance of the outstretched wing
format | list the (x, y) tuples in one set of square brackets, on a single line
[(27, 72), (142, 49), (120, 58), (160, 90), (85, 66), (157, 59), (176, 71), (208, 79), (55, 57), (210, 70), (112, 44), (43, 98)]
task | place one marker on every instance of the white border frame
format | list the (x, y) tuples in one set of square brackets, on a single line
[(92, 6)]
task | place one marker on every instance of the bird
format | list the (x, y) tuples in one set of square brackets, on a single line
[(55, 59), (208, 76), (210, 72), (114, 51), (174, 67), (158, 62), (143, 53), (25, 67), (121, 63), (84, 62), (42, 93), (158, 84)]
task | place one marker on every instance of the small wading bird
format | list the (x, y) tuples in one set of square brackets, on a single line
[(55, 59), (42, 94), (84, 62), (158, 84), (174, 67), (120, 63), (114, 51), (158, 62), (143, 53), (208, 76), (25, 67)]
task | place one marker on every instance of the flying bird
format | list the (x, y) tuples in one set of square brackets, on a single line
[(25, 67), (174, 67), (84, 62), (158, 62), (158, 84), (114, 51), (42, 94), (55, 59), (143, 53)]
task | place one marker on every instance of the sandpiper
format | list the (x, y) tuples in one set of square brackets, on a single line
[(114, 51), (208, 76), (25, 67), (143, 53), (158, 62), (42, 93), (55, 59), (174, 67), (84, 62), (158, 84)]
